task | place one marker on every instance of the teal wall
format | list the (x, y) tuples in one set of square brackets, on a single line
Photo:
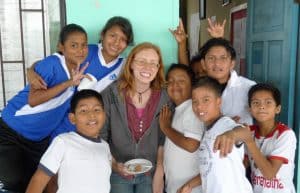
[(150, 19)]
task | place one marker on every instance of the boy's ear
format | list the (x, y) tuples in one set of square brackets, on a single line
[(219, 101), (60, 47), (101, 36), (232, 64), (72, 118), (203, 64), (278, 109)]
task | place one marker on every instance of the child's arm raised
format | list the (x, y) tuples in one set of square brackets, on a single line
[(38, 182), (189, 144), (216, 29), (181, 37)]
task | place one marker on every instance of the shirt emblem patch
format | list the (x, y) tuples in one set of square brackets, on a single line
[(113, 77)]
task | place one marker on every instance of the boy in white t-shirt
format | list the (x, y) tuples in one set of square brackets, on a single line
[(217, 174), (81, 159), (183, 132), (270, 145)]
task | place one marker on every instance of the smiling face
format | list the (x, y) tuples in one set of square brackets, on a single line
[(114, 42), (206, 104), (218, 64), (145, 66), (263, 107), (179, 86), (74, 48), (89, 117)]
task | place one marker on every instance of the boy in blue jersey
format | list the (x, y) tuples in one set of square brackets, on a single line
[(33, 114)]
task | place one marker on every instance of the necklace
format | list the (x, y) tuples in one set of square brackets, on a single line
[(140, 94), (261, 142)]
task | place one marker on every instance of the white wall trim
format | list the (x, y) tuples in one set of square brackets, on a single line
[(238, 8)]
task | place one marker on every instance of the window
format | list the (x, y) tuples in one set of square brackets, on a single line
[(29, 31)]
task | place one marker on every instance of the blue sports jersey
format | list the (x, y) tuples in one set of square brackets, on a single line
[(95, 67), (36, 123), (104, 73)]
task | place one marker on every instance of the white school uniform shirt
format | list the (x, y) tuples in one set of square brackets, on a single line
[(222, 175), (180, 165), (279, 145), (82, 165), (235, 98)]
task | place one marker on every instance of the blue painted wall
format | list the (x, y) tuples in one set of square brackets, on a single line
[(150, 19)]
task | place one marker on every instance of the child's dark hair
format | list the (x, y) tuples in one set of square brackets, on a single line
[(195, 59), (217, 42), (123, 23), (69, 29), (265, 87), (209, 83), (183, 67), (84, 94)]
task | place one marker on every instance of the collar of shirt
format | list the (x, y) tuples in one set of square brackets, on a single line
[(97, 140), (102, 61), (208, 127), (233, 79)]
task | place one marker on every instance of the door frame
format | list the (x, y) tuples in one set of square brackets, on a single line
[(236, 9)]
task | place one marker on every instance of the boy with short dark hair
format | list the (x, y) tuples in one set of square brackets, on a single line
[(271, 145), (81, 159), (217, 174), (218, 61)]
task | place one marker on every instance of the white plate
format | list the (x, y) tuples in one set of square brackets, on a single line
[(138, 166)]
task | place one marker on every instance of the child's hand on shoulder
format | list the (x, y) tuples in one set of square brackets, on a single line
[(224, 143), (236, 119), (246, 134)]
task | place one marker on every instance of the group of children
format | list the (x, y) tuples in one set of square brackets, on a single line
[(207, 134)]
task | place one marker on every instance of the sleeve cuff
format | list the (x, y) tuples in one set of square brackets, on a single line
[(283, 159), (46, 170)]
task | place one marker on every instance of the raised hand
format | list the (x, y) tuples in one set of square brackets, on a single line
[(179, 33), (77, 74), (216, 29)]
